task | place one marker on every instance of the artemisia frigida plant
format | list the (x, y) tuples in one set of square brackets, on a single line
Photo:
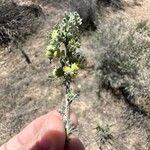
[(64, 40)]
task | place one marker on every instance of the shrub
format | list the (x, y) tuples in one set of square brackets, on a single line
[(123, 57), (103, 136), (16, 22)]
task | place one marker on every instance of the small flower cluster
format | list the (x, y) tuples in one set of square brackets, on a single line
[(64, 40)]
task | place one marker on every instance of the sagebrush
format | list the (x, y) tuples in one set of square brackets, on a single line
[(123, 54)]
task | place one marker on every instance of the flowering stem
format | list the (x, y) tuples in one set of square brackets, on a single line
[(67, 104), (66, 33)]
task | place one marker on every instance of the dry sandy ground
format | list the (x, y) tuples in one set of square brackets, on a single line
[(26, 92)]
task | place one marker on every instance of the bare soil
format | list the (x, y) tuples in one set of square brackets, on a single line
[(26, 92)]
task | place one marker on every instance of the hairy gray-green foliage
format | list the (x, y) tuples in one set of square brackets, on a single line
[(85, 8), (87, 11), (123, 57)]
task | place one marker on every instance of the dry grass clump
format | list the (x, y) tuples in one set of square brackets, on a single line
[(123, 58), (16, 22)]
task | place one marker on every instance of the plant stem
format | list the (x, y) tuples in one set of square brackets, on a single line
[(67, 108), (67, 104)]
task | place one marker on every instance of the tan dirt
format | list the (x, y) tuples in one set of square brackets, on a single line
[(25, 92)]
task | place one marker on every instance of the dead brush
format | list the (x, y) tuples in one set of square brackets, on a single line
[(17, 22)]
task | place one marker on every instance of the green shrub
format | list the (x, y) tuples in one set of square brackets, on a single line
[(123, 57), (103, 136)]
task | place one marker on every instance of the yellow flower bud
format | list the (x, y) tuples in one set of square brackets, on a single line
[(74, 67), (67, 69), (54, 34), (55, 54), (72, 70), (49, 54), (73, 75)]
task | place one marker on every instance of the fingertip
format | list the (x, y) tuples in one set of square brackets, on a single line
[(54, 113), (53, 132), (3, 147), (75, 144)]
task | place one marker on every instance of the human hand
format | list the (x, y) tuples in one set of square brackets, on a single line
[(45, 133)]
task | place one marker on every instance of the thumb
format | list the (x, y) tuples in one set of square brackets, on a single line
[(51, 135)]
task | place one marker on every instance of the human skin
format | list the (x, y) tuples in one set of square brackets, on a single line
[(45, 133)]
